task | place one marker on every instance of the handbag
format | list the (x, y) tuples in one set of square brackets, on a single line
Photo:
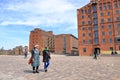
[(30, 61)]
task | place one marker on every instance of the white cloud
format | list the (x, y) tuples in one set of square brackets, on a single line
[(5, 23), (43, 6), (43, 12)]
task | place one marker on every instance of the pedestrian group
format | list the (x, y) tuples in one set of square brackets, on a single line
[(35, 58)]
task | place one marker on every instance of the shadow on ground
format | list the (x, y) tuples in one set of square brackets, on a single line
[(31, 71)]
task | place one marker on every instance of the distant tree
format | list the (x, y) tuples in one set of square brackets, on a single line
[(2, 51)]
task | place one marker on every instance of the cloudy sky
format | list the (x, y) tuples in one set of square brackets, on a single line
[(19, 17)]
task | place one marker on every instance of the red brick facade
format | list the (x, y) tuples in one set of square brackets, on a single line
[(99, 27), (66, 43), (41, 38), (63, 43)]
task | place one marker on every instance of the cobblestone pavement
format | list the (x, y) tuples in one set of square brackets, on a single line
[(61, 68)]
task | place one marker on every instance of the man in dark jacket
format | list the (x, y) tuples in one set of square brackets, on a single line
[(95, 54), (46, 58)]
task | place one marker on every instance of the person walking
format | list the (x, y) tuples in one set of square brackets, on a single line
[(46, 58), (95, 54), (25, 53), (35, 58)]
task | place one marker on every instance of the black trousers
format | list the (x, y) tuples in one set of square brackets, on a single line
[(95, 56), (35, 68)]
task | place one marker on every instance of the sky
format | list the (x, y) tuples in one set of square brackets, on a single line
[(19, 17)]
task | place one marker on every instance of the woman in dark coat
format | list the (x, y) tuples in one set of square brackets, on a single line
[(46, 58)]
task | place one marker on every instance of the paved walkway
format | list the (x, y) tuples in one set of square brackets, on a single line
[(61, 68)]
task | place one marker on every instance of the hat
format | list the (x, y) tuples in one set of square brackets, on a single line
[(36, 45)]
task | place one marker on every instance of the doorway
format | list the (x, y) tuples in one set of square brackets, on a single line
[(97, 50)]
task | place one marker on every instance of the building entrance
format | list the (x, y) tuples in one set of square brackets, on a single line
[(97, 50)]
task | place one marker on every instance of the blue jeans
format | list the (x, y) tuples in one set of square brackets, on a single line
[(46, 64)]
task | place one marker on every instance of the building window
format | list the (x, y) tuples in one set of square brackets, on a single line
[(117, 39), (117, 12), (95, 27), (119, 32), (88, 10), (96, 40), (109, 26), (85, 11), (83, 34), (64, 42), (84, 49), (83, 23), (89, 22), (82, 11), (109, 7), (118, 19), (103, 33), (83, 29), (102, 27), (89, 28), (89, 41), (94, 8), (82, 17), (95, 21), (102, 20), (103, 40), (89, 34), (118, 25), (119, 3), (101, 14), (100, 7), (108, 13), (83, 41), (94, 15), (110, 33), (115, 5), (104, 7), (110, 40), (109, 20), (96, 34), (88, 16)]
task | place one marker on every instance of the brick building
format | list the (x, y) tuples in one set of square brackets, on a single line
[(99, 27), (18, 50), (66, 43), (41, 38)]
